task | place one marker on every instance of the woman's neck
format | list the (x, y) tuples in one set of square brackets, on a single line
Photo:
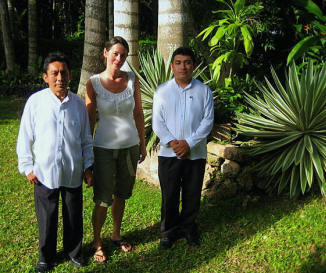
[(112, 74)]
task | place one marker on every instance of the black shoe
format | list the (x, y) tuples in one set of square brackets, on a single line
[(78, 261), (166, 243), (43, 267), (193, 239)]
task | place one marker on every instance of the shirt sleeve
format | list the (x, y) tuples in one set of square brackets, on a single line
[(206, 123), (86, 140), (158, 121), (25, 141)]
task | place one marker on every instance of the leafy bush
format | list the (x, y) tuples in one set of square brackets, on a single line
[(147, 45), (229, 94), (289, 123), (313, 41), (19, 83), (231, 37)]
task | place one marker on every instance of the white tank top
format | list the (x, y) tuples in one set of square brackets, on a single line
[(116, 127)]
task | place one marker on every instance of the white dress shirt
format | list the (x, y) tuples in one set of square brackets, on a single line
[(54, 139), (183, 114)]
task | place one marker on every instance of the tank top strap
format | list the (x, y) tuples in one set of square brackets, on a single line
[(95, 80), (131, 81)]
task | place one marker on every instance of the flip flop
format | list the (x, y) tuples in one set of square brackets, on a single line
[(123, 245), (99, 255)]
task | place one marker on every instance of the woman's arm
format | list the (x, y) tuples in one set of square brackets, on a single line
[(90, 100), (139, 120)]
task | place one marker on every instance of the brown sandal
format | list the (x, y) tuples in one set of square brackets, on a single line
[(123, 245), (99, 255)]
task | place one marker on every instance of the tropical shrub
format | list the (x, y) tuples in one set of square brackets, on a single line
[(229, 94), (231, 37), (313, 42), (148, 44), (289, 123), (19, 83)]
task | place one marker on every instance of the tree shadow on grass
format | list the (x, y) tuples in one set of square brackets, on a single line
[(10, 109), (222, 224), (316, 262)]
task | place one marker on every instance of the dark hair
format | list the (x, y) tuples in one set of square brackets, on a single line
[(55, 57), (117, 40), (185, 51)]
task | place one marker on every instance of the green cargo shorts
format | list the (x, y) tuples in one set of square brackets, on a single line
[(114, 173)]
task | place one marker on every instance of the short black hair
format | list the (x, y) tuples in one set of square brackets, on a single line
[(56, 56), (185, 51)]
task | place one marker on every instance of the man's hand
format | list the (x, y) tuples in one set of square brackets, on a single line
[(173, 143), (181, 148), (88, 177), (32, 178)]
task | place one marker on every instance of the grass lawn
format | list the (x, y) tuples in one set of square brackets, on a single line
[(271, 235)]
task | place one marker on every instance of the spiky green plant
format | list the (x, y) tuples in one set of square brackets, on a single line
[(289, 123), (154, 72)]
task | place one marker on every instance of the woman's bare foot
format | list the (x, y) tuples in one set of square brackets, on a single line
[(99, 255)]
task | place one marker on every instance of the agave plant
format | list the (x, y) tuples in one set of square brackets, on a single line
[(289, 123), (154, 72)]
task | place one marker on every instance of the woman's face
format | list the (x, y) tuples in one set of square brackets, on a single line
[(116, 56)]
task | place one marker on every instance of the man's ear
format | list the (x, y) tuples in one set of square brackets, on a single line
[(45, 77)]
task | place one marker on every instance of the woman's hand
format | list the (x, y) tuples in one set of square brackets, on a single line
[(143, 154)]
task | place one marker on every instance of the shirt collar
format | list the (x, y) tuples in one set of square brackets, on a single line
[(55, 98), (187, 87)]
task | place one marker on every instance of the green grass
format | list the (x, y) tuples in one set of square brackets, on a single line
[(271, 235)]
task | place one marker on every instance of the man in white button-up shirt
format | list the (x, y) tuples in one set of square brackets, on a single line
[(183, 115), (54, 149)]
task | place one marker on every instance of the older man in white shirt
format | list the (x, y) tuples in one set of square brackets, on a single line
[(183, 115), (54, 149)]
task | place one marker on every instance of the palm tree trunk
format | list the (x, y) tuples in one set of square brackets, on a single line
[(174, 24), (11, 18), (7, 38), (110, 19), (32, 37), (95, 13), (126, 25), (53, 19)]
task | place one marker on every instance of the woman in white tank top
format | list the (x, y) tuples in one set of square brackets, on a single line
[(119, 140)]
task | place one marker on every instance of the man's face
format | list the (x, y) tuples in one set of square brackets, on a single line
[(182, 67), (57, 77)]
